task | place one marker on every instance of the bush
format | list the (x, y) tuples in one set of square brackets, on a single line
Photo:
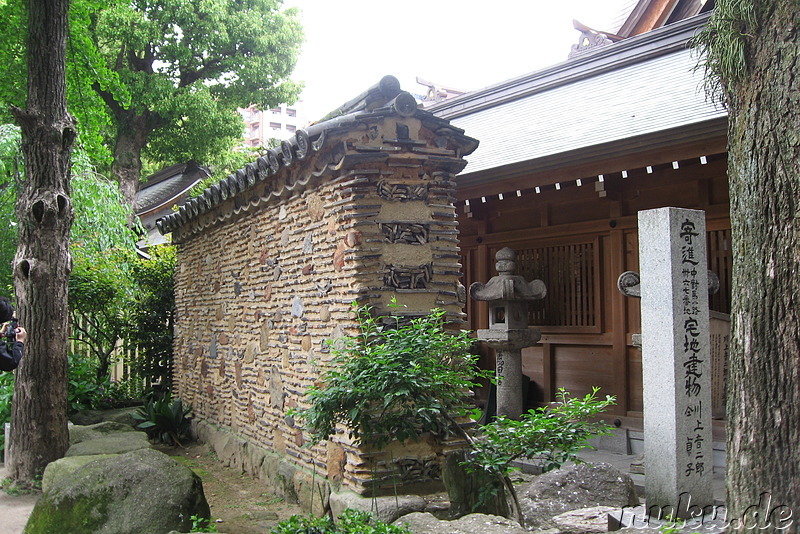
[(350, 522), (85, 391), (6, 393), (165, 420), (396, 380), (549, 436)]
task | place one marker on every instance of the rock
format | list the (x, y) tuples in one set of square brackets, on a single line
[(79, 433), (118, 443), (584, 520), (571, 488), (388, 508), (464, 489), (55, 471), (91, 417), (426, 523), (137, 492)]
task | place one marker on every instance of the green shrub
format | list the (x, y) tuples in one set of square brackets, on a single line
[(396, 380), (350, 522), (549, 437), (165, 420), (6, 392)]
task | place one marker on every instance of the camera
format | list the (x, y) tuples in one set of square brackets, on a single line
[(10, 333)]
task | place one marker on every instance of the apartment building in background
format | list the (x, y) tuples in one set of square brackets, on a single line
[(280, 122)]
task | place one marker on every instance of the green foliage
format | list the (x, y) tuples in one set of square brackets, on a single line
[(723, 43), (151, 319), (350, 522), (100, 298), (86, 390), (101, 216), (86, 68), (6, 393), (165, 420), (10, 179), (549, 437), (202, 524), (190, 65), (395, 380)]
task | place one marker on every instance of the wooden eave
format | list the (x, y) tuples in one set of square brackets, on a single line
[(696, 140)]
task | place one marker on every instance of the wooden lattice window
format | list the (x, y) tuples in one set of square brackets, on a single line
[(570, 272)]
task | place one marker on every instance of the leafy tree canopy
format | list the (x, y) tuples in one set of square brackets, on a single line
[(163, 78)]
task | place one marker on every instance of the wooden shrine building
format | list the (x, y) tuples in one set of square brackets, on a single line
[(567, 157)]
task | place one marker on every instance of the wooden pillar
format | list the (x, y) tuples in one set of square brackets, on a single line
[(619, 325)]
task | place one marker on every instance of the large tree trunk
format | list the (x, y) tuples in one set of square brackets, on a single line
[(42, 264), (763, 403), (132, 132)]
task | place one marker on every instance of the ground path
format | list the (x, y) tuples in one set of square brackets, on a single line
[(241, 504)]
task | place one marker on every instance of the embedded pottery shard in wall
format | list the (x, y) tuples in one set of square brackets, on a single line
[(308, 245), (212, 349), (338, 256), (297, 307), (250, 352), (323, 288), (276, 393), (315, 210), (238, 371), (353, 239), (264, 337)]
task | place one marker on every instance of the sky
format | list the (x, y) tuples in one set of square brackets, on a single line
[(464, 44)]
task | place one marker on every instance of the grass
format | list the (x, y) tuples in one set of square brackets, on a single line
[(15, 490)]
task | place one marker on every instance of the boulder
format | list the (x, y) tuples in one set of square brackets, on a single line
[(91, 417), (64, 466), (79, 433), (571, 488), (584, 520), (118, 443), (137, 492), (386, 509), (426, 523)]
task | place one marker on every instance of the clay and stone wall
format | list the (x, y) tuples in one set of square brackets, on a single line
[(357, 209)]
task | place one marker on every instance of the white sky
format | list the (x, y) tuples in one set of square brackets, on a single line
[(465, 44)]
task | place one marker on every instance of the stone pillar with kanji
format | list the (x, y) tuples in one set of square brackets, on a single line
[(675, 362)]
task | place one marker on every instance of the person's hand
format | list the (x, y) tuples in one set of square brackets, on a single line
[(22, 335)]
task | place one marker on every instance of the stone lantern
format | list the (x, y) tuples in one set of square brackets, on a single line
[(508, 333)]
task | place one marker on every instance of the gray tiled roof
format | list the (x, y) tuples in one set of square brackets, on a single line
[(647, 86)]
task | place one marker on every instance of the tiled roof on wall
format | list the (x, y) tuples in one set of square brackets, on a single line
[(278, 165)]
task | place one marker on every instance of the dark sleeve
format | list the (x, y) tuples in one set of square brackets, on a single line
[(17, 350), (10, 355)]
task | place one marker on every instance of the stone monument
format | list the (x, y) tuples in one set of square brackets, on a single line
[(508, 333), (676, 362)]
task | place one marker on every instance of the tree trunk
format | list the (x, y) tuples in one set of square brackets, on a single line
[(132, 132), (763, 403), (42, 263)]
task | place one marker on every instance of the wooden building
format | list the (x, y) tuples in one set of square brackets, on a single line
[(567, 157)]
